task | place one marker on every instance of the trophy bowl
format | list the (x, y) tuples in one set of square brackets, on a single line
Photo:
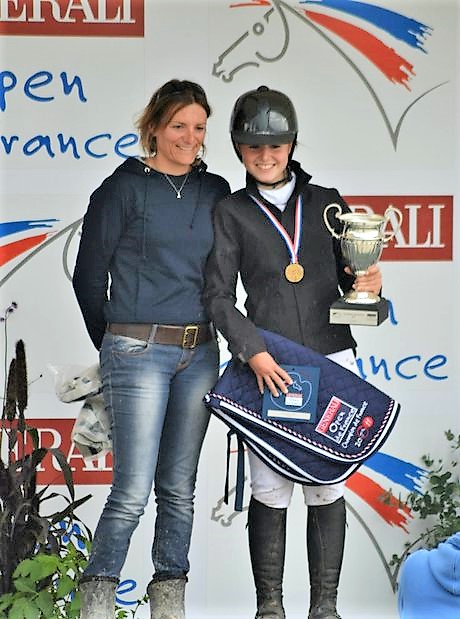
[(362, 240)]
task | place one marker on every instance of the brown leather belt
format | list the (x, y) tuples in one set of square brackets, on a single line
[(187, 336)]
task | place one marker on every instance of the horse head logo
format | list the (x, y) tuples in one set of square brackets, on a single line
[(353, 29), (261, 30), (300, 387)]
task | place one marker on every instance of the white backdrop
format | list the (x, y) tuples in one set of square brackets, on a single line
[(381, 134)]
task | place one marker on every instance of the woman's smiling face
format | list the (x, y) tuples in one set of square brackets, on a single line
[(179, 141)]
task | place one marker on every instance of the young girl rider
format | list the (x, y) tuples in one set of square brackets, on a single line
[(290, 287)]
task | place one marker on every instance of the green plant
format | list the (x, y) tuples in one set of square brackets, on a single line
[(438, 503), (25, 532), (122, 613), (45, 586)]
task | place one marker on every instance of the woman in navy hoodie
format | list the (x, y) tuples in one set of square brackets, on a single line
[(138, 278), (430, 582)]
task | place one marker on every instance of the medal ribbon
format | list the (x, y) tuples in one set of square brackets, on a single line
[(293, 246)]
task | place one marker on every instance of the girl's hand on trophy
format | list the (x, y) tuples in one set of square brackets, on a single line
[(371, 281)]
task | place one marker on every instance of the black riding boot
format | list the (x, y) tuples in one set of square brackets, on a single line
[(267, 544), (325, 543)]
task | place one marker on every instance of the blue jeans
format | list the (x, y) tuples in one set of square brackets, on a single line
[(154, 395)]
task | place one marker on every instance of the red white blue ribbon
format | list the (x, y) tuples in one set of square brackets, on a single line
[(292, 245)]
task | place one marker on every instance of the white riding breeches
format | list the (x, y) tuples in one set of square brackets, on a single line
[(273, 490)]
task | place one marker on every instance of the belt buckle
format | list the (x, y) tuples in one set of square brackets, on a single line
[(190, 331)]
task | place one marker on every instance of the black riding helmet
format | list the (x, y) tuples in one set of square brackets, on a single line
[(263, 116)]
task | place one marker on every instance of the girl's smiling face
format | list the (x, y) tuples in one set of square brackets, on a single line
[(267, 163)]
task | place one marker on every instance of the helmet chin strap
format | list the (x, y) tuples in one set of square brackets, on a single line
[(286, 178)]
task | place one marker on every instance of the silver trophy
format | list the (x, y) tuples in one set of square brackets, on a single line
[(362, 241)]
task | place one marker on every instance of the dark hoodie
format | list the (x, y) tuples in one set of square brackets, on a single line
[(151, 246), (430, 582)]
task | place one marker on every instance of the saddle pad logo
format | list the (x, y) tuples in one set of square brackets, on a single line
[(336, 419), (300, 402)]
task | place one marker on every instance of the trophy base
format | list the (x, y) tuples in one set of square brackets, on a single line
[(371, 314)]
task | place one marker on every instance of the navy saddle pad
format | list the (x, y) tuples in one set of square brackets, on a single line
[(353, 419)]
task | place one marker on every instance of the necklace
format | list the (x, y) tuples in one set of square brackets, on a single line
[(178, 191)]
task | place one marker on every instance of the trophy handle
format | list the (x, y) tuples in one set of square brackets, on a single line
[(326, 221), (389, 235)]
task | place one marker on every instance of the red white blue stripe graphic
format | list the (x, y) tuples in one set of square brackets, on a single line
[(18, 237)]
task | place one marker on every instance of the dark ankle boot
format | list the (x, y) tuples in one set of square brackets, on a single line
[(267, 544), (325, 543), (97, 597)]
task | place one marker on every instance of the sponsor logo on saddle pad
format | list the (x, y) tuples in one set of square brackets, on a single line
[(341, 420)]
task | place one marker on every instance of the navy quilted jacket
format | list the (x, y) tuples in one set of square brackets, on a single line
[(247, 243)]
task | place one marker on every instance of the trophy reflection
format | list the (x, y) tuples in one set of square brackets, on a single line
[(362, 239)]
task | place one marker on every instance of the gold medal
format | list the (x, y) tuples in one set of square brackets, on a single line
[(294, 272)]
